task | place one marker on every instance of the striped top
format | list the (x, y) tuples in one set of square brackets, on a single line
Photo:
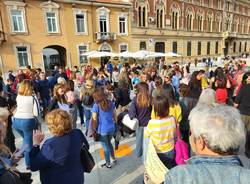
[(162, 133)]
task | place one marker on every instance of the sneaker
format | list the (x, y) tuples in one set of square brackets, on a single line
[(114, 160), (106, 165)]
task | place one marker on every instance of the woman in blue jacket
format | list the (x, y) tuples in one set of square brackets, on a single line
[(58, 160)]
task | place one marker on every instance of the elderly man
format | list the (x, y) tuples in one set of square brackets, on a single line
[(217, 132)]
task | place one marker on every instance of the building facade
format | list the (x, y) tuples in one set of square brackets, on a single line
[(47, 33), (192, 28)]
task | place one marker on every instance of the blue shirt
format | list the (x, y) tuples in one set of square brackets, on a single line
[(106, 123), (209, 170), (59, 160)]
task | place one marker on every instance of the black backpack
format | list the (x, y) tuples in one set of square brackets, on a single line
[(88, 100)]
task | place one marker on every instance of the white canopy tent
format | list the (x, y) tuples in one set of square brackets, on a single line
[(98, 54)]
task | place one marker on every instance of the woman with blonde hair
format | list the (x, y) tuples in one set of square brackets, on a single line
[(24, 117), (58, 160), (140, 108)]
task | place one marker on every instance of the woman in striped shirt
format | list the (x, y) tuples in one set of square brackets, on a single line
[(161, 130)]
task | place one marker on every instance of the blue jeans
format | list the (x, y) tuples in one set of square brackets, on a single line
[(87, 114), (107, 146), (25, 128), (139, 141)]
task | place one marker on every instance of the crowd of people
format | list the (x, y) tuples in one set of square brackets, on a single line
[(162, 97)]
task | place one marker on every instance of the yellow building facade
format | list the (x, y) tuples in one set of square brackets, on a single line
[(47, 33)]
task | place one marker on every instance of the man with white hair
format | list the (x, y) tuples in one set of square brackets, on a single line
[(217, 132)]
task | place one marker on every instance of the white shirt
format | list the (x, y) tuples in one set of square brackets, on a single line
[(27, 107)]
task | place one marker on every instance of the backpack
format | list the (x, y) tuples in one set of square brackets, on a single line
[(88, 100)]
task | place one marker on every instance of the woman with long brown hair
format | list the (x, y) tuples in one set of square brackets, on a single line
[(59, 97), (103, 112), (140, 109)]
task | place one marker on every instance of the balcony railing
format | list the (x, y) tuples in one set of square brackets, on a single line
[(105, 36)]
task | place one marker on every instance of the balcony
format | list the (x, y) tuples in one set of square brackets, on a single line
[(229, 35), (105, 36)]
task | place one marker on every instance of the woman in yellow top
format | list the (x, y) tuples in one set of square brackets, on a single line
[(174, 107), (161, 130)]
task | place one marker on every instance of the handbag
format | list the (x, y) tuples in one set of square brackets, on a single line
[(181, 148), (12, 176), (130, 123), (155, 170), (38, 125), (87, 160)]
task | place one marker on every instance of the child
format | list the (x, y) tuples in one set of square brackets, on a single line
[(161, 130)]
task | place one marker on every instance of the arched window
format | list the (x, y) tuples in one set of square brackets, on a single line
[(175, 15), (189, 18), (175, 20), (142, 13), (189, 21), (200, 23), (210, 24), (139, 16), (159, 18)]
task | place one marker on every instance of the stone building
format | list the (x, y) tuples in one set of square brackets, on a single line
[(44, 33), (192, 28)]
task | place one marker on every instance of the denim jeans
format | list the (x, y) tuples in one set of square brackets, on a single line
[(168, 158), (87, 114), (139, 141), (107, 146), (25, 128)]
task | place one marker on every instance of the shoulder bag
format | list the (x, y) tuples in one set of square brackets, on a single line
[(181, 148), (87, 160)]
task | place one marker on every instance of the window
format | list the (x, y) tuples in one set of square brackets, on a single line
[(51, 22), (143, 46), (81, 22), (142, 16), (123, 48), (234, 47), (17, 21), (189, 22), (189, 48), (103, 23), (122, 25), (159, 18), (175, 20), (81, 50), (208, 48), (174, 47), (200, 22), (216, 47), (228, 25), (210, 24), (240, 47), (199, 49), (245, 47), (22, 56)]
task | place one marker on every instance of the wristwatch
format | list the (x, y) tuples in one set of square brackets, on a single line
[(36, 146)]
